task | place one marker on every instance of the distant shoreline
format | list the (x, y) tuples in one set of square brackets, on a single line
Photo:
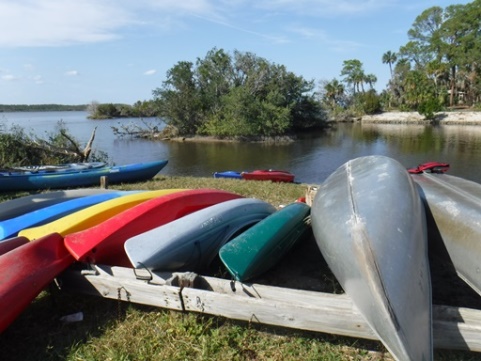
[(441, 118)]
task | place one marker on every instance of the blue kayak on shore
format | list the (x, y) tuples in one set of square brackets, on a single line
[(228, 174), (10, 227), (78, 177)]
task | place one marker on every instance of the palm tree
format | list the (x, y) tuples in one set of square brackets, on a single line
[(389, 58), (371, 79)]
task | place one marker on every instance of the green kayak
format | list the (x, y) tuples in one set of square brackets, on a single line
[(262, 246)]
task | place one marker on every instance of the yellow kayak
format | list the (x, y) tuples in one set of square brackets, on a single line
[(93, 215)]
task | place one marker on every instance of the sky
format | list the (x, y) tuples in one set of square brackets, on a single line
[(118, 51)]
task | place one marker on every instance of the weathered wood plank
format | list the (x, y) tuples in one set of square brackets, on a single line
[(454, 328)]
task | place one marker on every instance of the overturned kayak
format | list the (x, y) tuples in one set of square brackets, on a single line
[(259, 248), (18, 206), (192, 242), (453, 209), (369, 223)]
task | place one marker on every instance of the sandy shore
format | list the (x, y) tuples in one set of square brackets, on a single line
[(455, 117)]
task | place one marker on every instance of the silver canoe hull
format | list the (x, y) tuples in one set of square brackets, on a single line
[(369, 223), (453, 206)]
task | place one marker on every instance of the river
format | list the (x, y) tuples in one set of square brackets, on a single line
[(311, 158)]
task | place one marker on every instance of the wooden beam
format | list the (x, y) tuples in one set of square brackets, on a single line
[(453, 327)]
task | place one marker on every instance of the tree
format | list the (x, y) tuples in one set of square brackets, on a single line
[(353, 73), (389, 58)]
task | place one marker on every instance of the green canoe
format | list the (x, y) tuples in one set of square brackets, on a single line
[(259, 248)]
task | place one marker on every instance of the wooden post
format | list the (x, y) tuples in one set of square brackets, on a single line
[(104, 182)]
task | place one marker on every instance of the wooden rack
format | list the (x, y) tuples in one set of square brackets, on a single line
[(453, 327)]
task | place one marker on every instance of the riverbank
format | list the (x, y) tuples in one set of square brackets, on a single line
[(442, 118)]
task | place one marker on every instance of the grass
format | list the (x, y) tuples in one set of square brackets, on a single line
[(114, 330)]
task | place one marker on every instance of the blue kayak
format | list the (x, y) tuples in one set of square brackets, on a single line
[(228, 174), (79, 177), (11, 227)]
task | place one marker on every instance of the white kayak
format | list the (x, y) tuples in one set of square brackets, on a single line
[(369, 223), (193, 241), (453, 208)]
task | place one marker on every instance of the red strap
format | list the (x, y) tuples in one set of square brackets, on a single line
[(433, 167)]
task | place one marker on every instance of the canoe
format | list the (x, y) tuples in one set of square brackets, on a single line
[(27, 180), (228, 174), (453, 209), (262, 246), (92, 215), (26, 271), (369, 223), (192, 242), (104, 243), (8, 244), (10, 227), (18, 206), (269, 175)]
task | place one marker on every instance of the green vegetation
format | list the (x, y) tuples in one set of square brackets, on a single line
[(20, 149), (145, 109), (239, 95)]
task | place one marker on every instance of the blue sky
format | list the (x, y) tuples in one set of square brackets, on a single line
[(118, 51)]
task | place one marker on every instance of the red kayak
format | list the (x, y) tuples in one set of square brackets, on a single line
[(269, 175), (26, 271), (104, 243)]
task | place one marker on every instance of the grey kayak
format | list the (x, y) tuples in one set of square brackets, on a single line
[(19, 206), (369, 224), (192, 242), (453, 208)]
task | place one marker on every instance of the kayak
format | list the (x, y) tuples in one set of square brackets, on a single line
[(18, 206), (192, 242), (79, 177), (11, 227), (269, 175), (369, 223), (104, 243), (263, 245), (92, 215)]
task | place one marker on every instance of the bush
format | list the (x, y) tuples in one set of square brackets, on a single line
[(429, 107)]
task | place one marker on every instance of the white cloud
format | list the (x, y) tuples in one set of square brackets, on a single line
[(38, 79), (59, 22), (71, 73), (10, 77), (150, 72)]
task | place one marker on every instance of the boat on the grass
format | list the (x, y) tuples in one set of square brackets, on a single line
[(453, 209), (33, 180), (269, 175), (26, 271), (262, 246), (10, 227), (369, 223), (228, 174), (192, 242), (18, 206), (92, 215), (104, 243)]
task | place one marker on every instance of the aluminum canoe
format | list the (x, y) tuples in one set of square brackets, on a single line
[(192, 242), (369, 223), (453, 209)]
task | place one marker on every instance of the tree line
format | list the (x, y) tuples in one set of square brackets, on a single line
[(437, 68)]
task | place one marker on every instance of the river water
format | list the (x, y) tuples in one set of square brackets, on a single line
[(311, 158)]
